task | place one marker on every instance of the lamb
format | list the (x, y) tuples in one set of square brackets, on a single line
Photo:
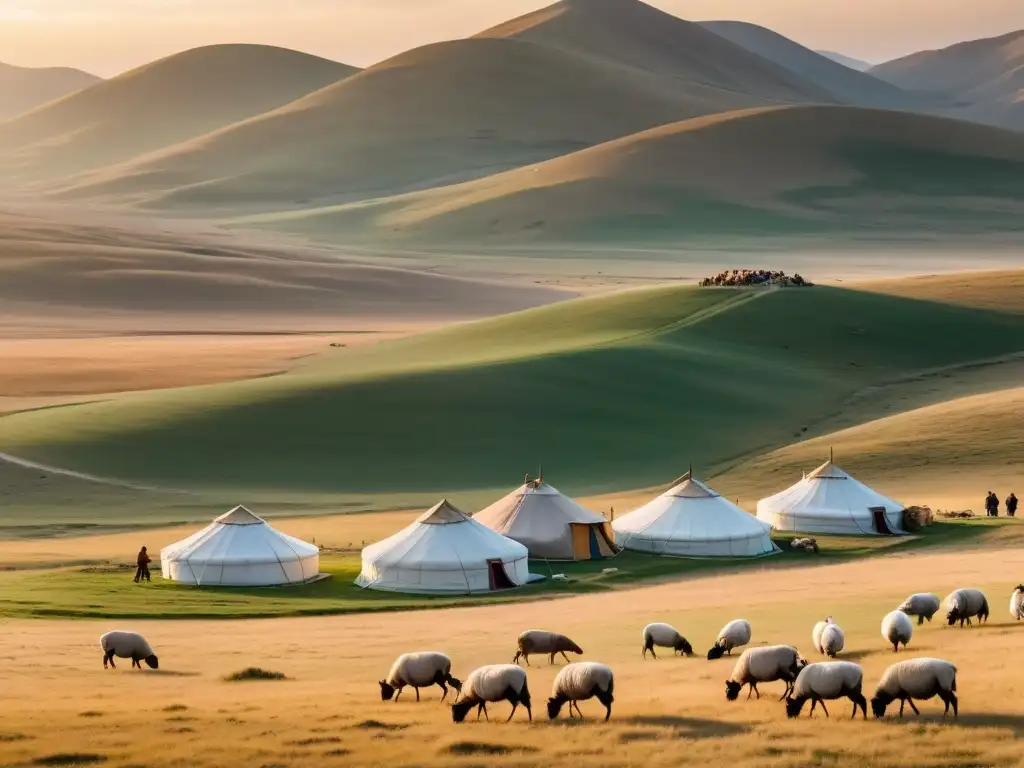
[(127, 645), (419, 670), (495, 682), (581, 681), (896, 629), (664, 636), (924, 605), (832, 640), (827, 680), (1017, 602), (539, 641), (764, 665), (816, 632), (962, 604), (733, 635), (916, 679)]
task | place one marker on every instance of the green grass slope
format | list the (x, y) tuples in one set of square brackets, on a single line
[(613, 393)]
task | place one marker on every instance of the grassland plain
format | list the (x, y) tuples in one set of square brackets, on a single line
[(611, 393), (61, 706)]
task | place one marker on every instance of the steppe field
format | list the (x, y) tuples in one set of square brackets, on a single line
[(245, 274)]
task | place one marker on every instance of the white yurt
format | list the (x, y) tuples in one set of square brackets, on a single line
[(549, 524), (830, 501), (444, 552), (691, 520), (239, 549)]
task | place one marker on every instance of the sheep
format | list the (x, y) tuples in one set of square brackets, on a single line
[(924, 605), (733, 635), (816, 632), (419, 670), (764, 665), (539, 641), (896, 629), (578, 682), (962, 604), (127, 645), (664, 636), (829, 680), (495, 682), (833, 639), (1017, 602), (916, 679)]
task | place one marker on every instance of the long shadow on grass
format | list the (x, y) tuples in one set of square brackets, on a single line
[(1013, 723)]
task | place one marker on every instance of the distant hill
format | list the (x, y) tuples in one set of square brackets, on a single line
[(847, 85), (981, 80), (25, 88), (160, 104), (786, 170), (847, 61)]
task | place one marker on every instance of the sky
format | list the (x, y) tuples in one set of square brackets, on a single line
[(107, 37)]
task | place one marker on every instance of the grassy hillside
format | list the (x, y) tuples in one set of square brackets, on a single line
[(788, 170), (615, 393), (24, 88), (160, 104)]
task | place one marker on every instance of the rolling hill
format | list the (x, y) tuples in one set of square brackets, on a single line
[(24, 88), (847, 61), (787, 170), (157, 105), (616, 392), (848, 86), (980, 80)]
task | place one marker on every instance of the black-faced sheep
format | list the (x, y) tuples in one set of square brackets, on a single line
[(495, 682), (764, 665), (419, 670), (924, 605), (920, 679), (578, 682), (538, 641), (733, 635), (664, 636), (127, 645), (964, 604), (827, 681)]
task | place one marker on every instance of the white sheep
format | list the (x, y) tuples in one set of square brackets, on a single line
[(127, 645), (827, 681), (664, 636), (733, 635), (419, 670), (495, 682), (540, 641), (916, 679), (832, 640), (963, 604), (896, 629), (578, 682), (764, 665), (816, 632), (924, 605), (1017, 602)]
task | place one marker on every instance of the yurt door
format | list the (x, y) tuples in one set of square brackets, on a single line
[(580, 541), (499, 579), (881, 524)]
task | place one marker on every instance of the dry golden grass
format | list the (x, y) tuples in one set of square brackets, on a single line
[(970, 289), (58, 698)]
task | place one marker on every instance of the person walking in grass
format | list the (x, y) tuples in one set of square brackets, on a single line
[(992, 505), (143, 561), (1011, 505)]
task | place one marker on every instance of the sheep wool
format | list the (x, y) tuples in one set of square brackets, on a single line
[(920, 679), (541, 642), (828, 681), (832, 640), (127, 645), (764, 665), (816, 632), (733, 635), (897, 629), (664, 636), (1017, 602), (495, 682), (964, 604), (578, 682), (924, 605), (419, 670)]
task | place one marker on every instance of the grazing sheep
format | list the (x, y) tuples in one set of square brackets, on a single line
[(924, 605), (539, 641), (827, 680), (832, 640), (896, 629), (664, 636), (581, 681), (733, 635), (127, 645), (1017, 602), (916, 679), (495, 682), (963, 604), (764, 665), (419, 670), (816, 632)]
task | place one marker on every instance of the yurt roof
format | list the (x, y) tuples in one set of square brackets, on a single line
[(239, 536), (443, 513), (239, 516), (535, 497)]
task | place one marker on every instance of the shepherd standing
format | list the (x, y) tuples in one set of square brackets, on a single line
[(143, 561)]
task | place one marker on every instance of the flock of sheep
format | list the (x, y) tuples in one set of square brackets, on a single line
[(915, 679)]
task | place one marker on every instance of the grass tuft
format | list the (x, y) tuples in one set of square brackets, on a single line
[(254, 673)]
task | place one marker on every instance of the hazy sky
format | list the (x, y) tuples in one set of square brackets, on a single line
[(110, 36)]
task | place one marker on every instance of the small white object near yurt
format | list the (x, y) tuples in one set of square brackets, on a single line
[(692, 520), (239, 549), (829, 500), (444, 552)]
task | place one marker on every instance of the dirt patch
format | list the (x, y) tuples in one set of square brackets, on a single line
[(464, 748), (70, 758), (377, 725)]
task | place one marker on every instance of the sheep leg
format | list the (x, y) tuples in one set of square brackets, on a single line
[(911, 703), (551, 658), (753, 687), (567, 660), (444, 688), (920, 619), (814, 703), (514, 705), (108, 657), (578, 712), (786, 692), (903, 703), (415, 688), (949, 698), (822, 702), (515, 659), (399, 692), (750, 692)]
